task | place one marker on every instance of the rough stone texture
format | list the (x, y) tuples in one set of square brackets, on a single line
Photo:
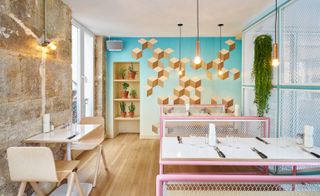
[(100, 78), (21, 26)]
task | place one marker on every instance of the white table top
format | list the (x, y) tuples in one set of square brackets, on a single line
[(61, 135), (235, 149)]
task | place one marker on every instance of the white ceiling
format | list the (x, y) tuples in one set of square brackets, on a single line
[(159, 18)]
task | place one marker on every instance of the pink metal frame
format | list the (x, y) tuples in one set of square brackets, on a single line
[(163, 178)]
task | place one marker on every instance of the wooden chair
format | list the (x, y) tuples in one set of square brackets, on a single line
[(92, 141), (36, 164)]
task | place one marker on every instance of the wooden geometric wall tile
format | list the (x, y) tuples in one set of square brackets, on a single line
[(178, 91), (207, 65), (194, 99), (148, 90), (231, 44), (167, 71), (159, 71), (144, 43), (230, 109), (195, 82), (174, 63), (224, 54), (188, 90), (151, 43), (198, 91), (184, 99), (215, 100), (152, 81), (184, 82), (223, 74), (158, 53), (227, 101), (161, 81), (163, 100), (167, 52), (236, 73), (184, 62), (136, 53), (217, 64), (153, 62), (175, 99)]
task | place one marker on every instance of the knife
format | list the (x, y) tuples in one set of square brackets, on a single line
[(221, 154), (263, 156), (72, 136), (312, 153), (261, 140)]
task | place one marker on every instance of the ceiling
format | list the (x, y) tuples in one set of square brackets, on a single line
[(159, 18)]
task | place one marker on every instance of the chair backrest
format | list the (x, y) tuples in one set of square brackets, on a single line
[(31, 164), (97, 135)]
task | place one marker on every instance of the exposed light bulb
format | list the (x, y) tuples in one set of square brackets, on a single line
[(53, 47), (180, 73), (197, 60), (220, 72), (275, 62)]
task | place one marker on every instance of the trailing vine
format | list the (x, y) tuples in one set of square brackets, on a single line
[(262, 72)]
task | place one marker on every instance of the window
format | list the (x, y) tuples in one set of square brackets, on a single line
[(82, 72)]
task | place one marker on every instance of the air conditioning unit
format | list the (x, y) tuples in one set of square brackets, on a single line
[(114, 45)]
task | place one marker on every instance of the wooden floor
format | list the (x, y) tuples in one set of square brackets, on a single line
[(133, 166)]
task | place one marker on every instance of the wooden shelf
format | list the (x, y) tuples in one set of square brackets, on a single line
[(127, 118), (129, 99), (125, 80)]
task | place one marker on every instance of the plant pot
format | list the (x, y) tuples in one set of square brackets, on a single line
[(131, 75), (123, 114), (133, 97), (131, 114), (124, 94)]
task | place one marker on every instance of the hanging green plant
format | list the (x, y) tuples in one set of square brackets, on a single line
[(262, 72)]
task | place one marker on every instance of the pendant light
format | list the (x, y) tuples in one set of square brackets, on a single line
[(46, 42), (275, 51), (197, 58), (220, 40), (180, 70)]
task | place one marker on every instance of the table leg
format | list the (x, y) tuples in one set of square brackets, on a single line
[(161, 169)]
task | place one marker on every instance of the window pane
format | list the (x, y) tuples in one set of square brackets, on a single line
[(88, 73), (301, 43), (75, 74)]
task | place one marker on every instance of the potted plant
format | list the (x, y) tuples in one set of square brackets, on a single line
[(262, 72), (124, 92), (133, 93), (131, 108), (122, 73), (123, 109), (132, 73)]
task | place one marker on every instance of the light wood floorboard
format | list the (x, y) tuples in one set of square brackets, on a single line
[(133, 166)]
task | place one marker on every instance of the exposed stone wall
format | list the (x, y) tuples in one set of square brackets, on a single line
[(100, 77), (22, 99)]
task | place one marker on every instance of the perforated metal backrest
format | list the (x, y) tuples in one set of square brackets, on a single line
[(97, 135), (31, 164)]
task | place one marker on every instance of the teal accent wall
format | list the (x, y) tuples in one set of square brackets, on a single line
[(149, 109)]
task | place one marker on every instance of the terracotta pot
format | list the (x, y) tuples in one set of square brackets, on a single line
[(124, 94), (120, 77), (131, 114), (123, 114), (132, 75)]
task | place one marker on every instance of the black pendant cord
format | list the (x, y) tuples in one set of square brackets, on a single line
[(220, 26), (276, 22), (180, 35), (198, 34)]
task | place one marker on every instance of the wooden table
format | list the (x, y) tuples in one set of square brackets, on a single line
[(237, 151), (60, 135)]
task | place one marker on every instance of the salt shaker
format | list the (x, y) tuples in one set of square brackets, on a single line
[(308, 136), (299, 138)]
